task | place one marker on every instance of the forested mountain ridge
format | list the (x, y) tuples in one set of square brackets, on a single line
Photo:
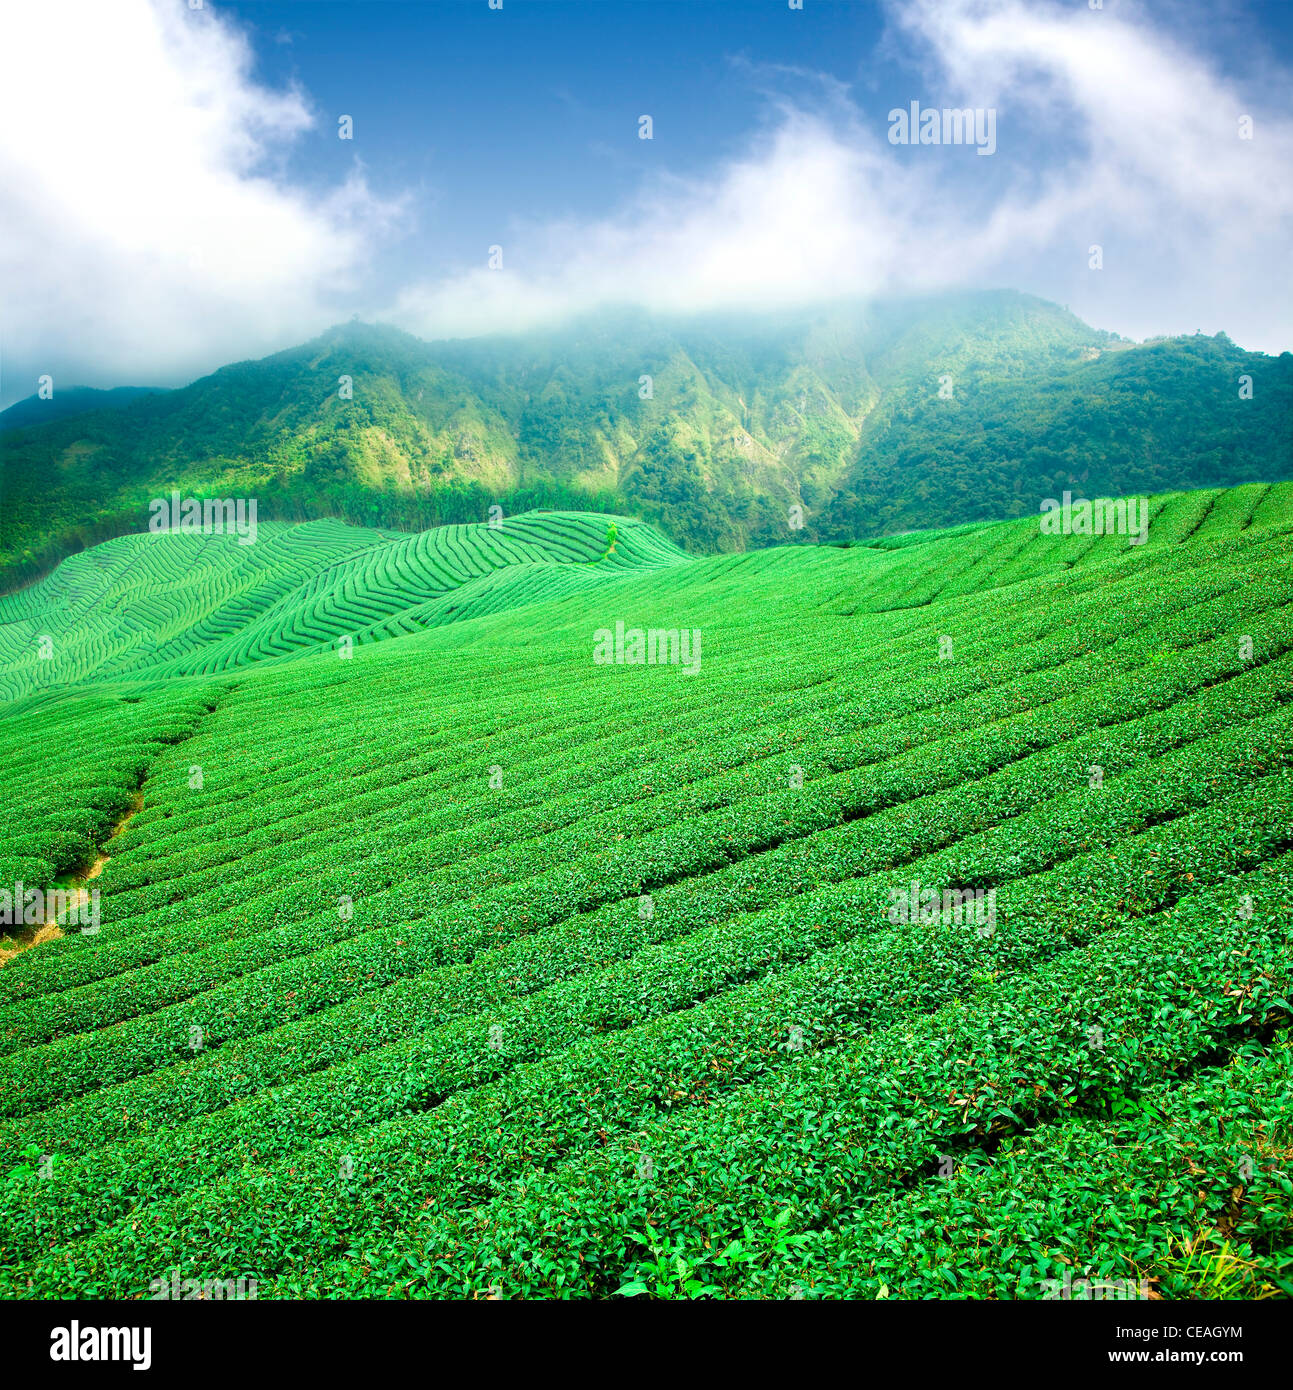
[(72, 400), (870, 418)]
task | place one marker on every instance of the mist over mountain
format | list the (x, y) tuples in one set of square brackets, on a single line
[(730, 431)]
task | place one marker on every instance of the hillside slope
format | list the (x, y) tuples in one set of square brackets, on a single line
[(870, 418), (475, 966)]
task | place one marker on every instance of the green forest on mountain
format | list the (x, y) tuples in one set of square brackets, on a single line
[(729, 432)]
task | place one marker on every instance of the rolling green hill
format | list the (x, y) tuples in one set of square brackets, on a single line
[(870, 418), (472, 965), (158, 606)]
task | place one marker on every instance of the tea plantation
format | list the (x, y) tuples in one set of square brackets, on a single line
[(438, 958)]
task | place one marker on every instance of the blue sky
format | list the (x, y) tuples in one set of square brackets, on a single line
[(486, 114), (483, 118), (189, 202), (483, 113)]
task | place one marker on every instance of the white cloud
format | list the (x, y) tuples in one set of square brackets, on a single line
[(148, 230), (1145, 159)]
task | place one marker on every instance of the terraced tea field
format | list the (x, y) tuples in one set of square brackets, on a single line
[(191, 604), (439, 958)]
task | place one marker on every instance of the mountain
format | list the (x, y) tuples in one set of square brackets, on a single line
[(69, 401), (873, 418)]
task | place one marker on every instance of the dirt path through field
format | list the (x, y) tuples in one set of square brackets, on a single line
[(77, 895)]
